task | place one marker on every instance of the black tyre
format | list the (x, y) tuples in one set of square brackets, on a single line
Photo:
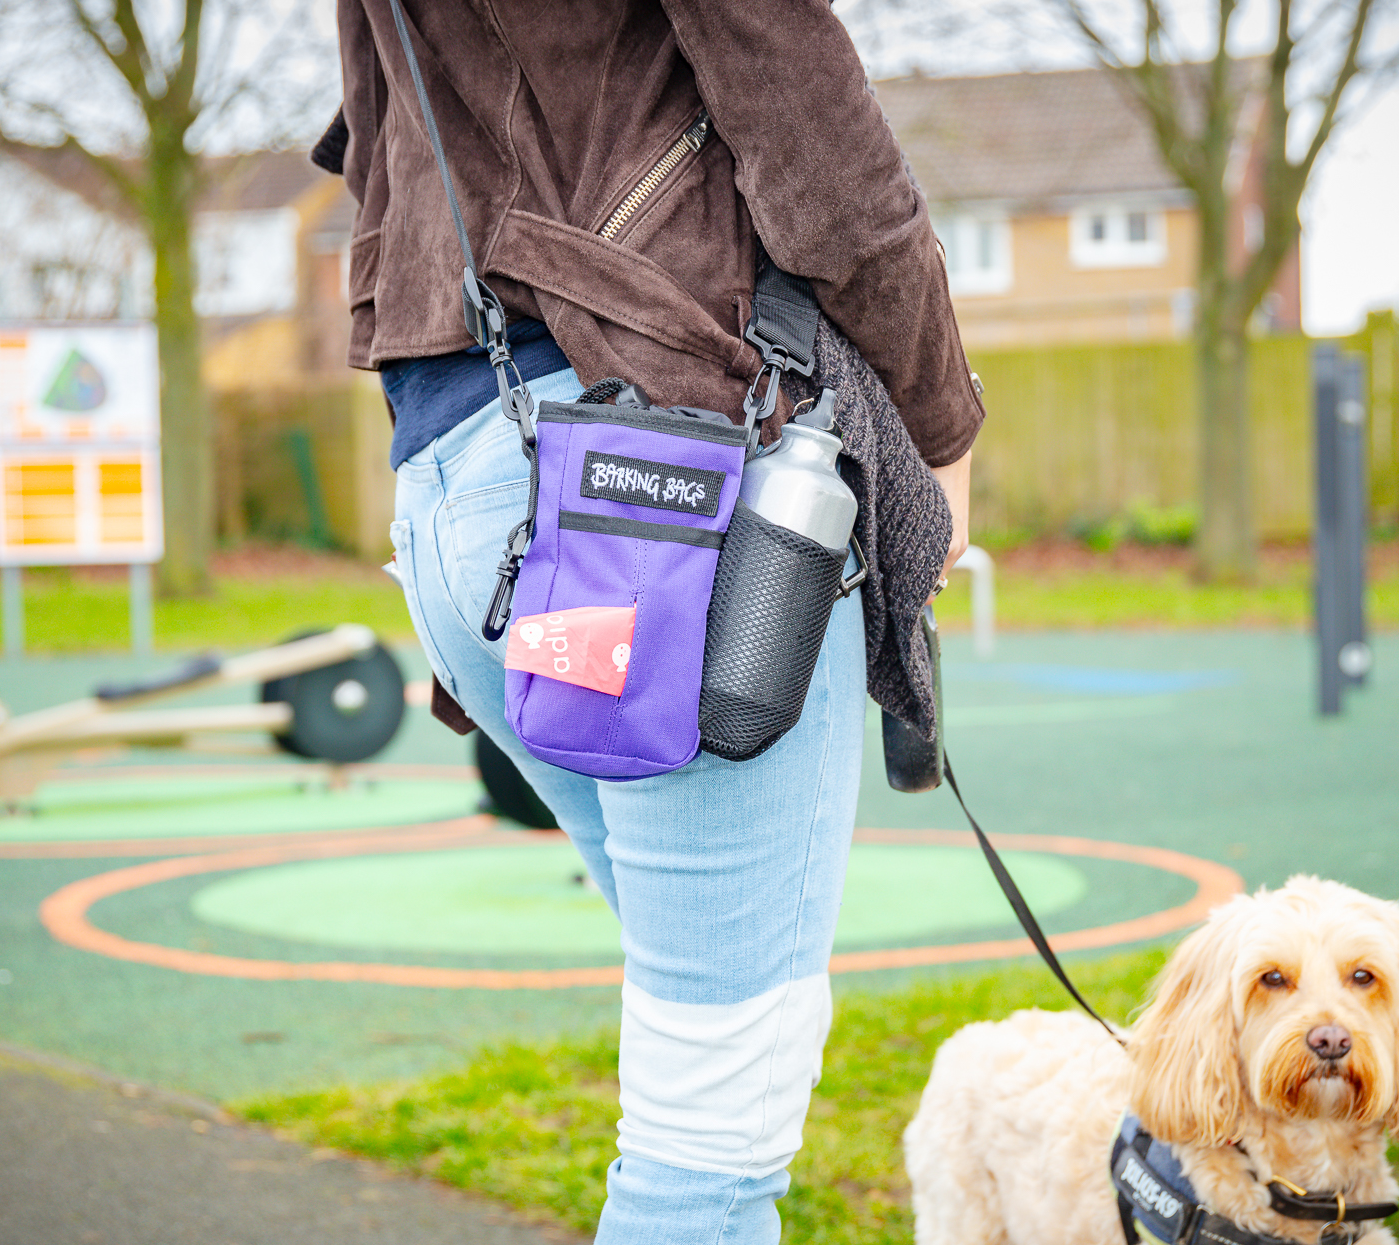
[(345, 712), (511, 795)]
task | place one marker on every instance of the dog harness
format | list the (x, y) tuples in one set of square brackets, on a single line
[(1157, 1203)]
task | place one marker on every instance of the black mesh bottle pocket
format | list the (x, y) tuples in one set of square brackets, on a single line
[(773, 594)]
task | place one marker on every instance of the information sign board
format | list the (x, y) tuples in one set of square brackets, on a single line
[(79, 445)]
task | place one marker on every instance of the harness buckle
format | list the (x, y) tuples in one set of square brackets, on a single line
[(1190, 1225)]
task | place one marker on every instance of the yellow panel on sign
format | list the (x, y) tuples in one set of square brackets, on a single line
[(41, 503), (119, 489)]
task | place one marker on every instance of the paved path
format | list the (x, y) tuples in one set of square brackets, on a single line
[(85, 1161)]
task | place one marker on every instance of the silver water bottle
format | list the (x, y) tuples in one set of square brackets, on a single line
[(778, 577)]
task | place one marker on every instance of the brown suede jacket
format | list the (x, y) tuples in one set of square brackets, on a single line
[(557, 114)]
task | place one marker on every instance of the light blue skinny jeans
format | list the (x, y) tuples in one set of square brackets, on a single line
[(726, 876)]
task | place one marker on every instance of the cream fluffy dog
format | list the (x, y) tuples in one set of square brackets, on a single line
[(1268, 1051)]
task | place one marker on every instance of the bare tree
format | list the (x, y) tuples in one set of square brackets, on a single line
[(1304, 85), (138, 90)]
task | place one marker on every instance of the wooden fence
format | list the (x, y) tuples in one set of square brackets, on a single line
[(1075, 436)]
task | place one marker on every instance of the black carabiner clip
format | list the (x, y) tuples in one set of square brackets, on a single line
[(507, 572), (756, 410)]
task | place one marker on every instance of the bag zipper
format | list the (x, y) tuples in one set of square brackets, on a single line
[(691, 140)]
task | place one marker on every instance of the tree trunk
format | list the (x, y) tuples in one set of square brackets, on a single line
[(187, 465), (1225, 546)]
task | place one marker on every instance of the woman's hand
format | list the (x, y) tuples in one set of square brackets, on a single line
[(956, 481)]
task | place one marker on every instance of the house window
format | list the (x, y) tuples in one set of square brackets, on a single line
[(977, 248), (246, 261), (1114, 236)]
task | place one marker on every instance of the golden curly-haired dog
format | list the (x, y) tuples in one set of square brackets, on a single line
[(1269, 1050)]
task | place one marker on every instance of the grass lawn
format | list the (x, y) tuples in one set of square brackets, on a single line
[(263, 595), (535, 1126), (260, 596), (1061, 584)]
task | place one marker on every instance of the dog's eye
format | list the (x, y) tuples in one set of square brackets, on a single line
[(1273, 979), (1362, 976)]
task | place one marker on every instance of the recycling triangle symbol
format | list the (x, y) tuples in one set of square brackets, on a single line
[(77, 386)]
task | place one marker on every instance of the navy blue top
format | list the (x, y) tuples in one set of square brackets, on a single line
[(433, 395)]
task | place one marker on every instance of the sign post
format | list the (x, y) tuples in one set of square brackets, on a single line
[(79, 458), (1342, 519)]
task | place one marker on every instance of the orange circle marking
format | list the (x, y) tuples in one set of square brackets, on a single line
[(65, 912)]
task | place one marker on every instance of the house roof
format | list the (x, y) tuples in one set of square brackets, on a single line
[(260, 180), (1025, 138), (253, 182)]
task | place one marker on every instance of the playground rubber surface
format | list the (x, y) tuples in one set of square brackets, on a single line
[(234, 925)]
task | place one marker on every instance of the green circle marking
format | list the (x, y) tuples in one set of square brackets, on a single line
[(201, 805), (907, 893), (484, 900), (525, 900)]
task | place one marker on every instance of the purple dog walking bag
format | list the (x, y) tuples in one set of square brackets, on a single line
[(633, 504), (628, 510)]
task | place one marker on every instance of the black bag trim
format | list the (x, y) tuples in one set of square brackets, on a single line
[(640, 475), (611, 525), (671, 425)]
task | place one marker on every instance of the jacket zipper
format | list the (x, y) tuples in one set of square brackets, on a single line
[(691, 140)]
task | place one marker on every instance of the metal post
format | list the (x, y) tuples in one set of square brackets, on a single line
[(983, 572), (1354, 656), (14, 611), (1325, 535), (142, 616)]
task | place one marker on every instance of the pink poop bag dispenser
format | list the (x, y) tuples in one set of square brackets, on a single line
[(589, 646)]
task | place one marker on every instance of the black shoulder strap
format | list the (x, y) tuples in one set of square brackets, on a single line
[(485, 321), (785, 314), (477, 298), (783, 328)]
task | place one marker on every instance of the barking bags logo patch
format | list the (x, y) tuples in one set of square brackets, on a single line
[(640, 482), (589, 646)]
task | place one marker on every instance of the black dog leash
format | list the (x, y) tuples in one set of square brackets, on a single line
[(1022, 909)]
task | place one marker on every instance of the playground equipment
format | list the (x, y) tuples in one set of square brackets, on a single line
[(335, 696), (978, 564), (507, 791), (1342, 521)]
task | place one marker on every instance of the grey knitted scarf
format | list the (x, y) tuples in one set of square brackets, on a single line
[(904, 524)]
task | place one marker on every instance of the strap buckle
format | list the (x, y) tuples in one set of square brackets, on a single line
[(477, 302), (1190, 1225), (774, 350)]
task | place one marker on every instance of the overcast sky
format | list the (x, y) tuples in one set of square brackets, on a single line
[(1350, 214)]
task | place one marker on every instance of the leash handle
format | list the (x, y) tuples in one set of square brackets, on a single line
[(1022, 909)]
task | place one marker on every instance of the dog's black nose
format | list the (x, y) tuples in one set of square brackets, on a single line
[(1329, 1041)]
